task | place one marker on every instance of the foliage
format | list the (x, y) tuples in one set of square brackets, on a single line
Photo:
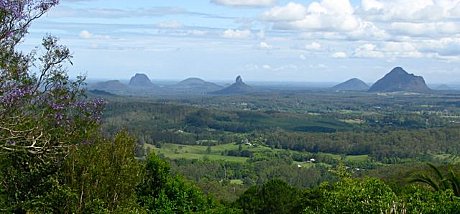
[(41, 114), (274, 196), (102, 175), (368, 195), (440, 181), (162, 192), (419, 200)]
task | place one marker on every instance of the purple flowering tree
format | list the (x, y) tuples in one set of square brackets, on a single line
[(43, 113), (38, 110)]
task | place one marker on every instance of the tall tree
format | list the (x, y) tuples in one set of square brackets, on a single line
[(42, 111)]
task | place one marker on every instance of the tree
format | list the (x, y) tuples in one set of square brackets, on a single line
[(42, 112), (368, 195), (275, 196), (440, 181), (101, 176), (162, 192)]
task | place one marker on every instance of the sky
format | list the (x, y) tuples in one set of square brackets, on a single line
[(261, 40)]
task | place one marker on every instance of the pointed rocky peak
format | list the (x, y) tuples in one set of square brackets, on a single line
[(140, 80), (239, 80), (239, 87), (398, 71)]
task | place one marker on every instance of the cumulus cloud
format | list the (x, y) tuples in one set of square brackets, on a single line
[(339, 55), (265, 46), (291, 12), (244, 3), (388, 49), (314, 46), (84, 34), (411, 9), (368, 51), (371, 5), (444, 47), (327, 15), (425, 29), (236, 34)]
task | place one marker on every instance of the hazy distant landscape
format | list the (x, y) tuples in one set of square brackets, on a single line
[(230, 106)]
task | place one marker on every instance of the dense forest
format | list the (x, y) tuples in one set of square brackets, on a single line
[(66, 150)]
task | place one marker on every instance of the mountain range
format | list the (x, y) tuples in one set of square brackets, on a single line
[(396, 80)]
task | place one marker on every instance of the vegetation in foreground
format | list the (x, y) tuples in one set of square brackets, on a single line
[(54, 158)]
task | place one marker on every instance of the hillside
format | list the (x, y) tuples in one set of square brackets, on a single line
[(399, 80), (109, 86), (239, 87), (354, 84), (141, 81), (195, 85)]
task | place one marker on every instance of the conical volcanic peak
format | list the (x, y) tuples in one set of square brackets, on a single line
[(140, 80), (354, 84), (399, 80), (239, 87)]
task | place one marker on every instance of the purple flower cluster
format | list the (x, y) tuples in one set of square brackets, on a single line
[(14, 8), (57, 106), (95, 108), (10, 97)]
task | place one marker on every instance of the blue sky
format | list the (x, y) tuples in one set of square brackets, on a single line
[(262, 40)]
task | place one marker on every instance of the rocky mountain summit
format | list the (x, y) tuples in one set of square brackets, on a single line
[(399, 80), (141, 81), (239, 87)]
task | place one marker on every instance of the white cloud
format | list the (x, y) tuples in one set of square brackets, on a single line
[(411, 9), (368, 31), (172, 24), (443, 47), (327, 15), (368, 5), (425, 29), (302, 57), (244, 3), (84, 34), (388, 49), (368, 51), (267, 67), (339, 55), (314, 46), (236, 34), (265, 45), (291, 12)]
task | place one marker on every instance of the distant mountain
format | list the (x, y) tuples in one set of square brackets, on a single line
[(193, 86), (239, 87), (197, 83), (141, 81), (399, 80), (109, 86), (443, 87), (98, 92), (354, 84)]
